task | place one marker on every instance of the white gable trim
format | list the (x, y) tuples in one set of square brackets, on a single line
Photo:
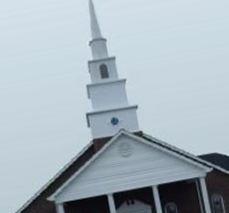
[(52, 197), (136, 138)]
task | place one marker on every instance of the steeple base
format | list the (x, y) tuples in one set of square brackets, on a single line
[(106, 123)]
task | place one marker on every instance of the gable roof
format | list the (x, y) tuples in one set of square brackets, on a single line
[(86, 154), (218, 159), (133, 137)]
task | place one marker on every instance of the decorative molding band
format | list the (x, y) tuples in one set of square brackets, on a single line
[(109, 110), (101, 59)]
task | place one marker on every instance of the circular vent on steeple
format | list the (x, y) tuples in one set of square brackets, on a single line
[(114, 121)]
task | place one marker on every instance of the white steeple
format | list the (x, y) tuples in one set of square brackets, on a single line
[(110, 108)]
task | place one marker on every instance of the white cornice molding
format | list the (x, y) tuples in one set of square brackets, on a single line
[(101, 59), (109, 110), (104, 82)]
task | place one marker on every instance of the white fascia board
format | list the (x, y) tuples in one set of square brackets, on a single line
[(196, 158), (103, 83), (54, 178), (108, 110), (136, 138)]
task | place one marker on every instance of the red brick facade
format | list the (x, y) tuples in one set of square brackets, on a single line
[(218, 183)]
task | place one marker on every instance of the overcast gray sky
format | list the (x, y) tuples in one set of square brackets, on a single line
[(174, 54)]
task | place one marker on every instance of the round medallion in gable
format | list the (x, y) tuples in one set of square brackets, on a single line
[(125, 149)]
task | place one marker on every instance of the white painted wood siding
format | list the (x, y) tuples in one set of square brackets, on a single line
[(139, 165)]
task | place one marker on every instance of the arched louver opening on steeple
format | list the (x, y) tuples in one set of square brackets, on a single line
[(104, 71)]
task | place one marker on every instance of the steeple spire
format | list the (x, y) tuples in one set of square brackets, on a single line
[(95, 29), (97, 43)]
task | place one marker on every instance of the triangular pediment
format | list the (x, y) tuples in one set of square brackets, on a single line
[(128, 162)]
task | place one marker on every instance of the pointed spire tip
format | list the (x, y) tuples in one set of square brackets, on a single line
[(95, 29)]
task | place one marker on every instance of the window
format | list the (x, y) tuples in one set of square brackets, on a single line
[(217, 203), (171, 208), (104, 71)]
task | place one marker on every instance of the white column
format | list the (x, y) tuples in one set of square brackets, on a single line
[(111, 203), (157, 200), (199, 196), (204, 191), (60, 208)]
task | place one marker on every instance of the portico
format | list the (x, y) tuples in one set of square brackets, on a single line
[(152, 199), (143, 172)]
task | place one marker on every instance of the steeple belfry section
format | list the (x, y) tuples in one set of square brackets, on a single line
[(110, 108)]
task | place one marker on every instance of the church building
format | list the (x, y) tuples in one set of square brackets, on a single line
[(123, 169)]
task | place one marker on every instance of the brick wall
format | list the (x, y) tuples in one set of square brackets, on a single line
[(218, 183)]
